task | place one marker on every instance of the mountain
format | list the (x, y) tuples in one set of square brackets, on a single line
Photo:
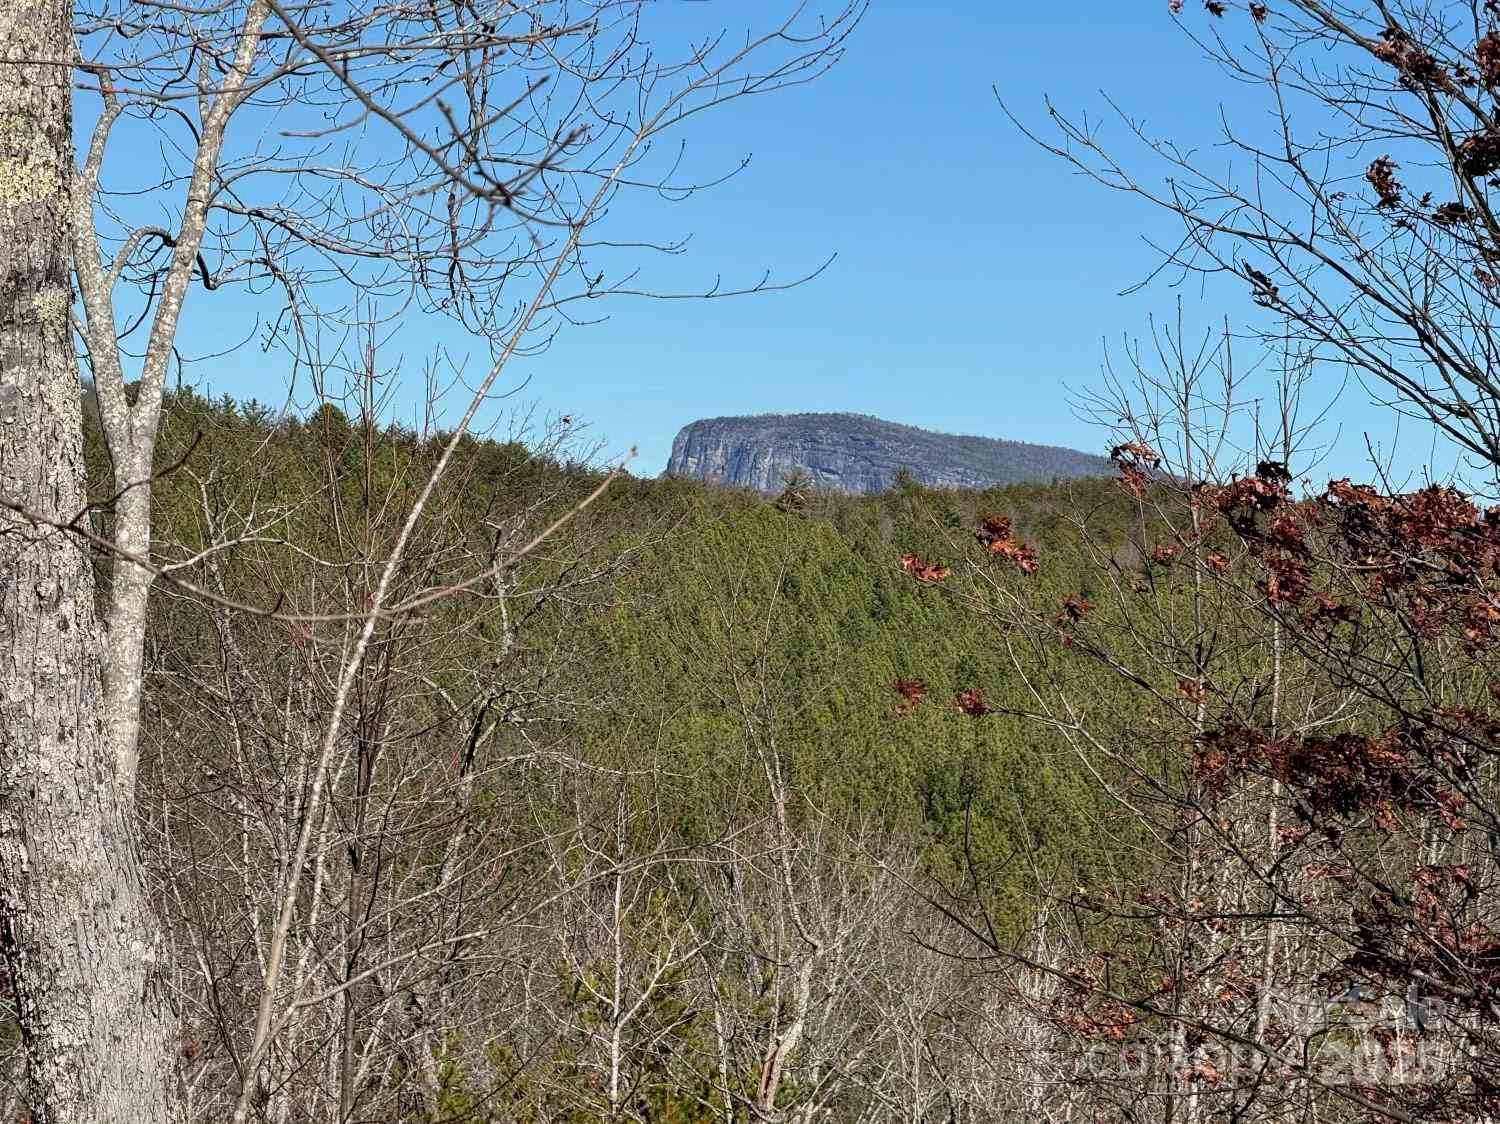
[(859, 453)]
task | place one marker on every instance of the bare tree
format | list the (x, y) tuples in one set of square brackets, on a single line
[(1298, 714), (1362, 221), (400, 904), (321, 162), (1212, 932), (1360, 216)]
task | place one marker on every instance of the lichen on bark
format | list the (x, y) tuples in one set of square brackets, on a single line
[(77, 934)]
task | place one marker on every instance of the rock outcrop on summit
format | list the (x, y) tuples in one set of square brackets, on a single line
[(859, 453)]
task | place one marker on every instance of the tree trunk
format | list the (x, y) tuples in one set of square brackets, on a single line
[(80, 945)]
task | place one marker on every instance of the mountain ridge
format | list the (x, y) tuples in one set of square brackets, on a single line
[(861, 453)]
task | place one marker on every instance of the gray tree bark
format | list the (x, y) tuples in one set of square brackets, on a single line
[(79, 943)]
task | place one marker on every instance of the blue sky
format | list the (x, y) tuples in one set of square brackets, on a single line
[(976, 277)]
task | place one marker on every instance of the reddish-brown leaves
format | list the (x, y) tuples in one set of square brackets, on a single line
[(1286, 580), (1342, 873), (1390, 46), (1479, 155), (1432, 549), (1336, 777), (1249, 496), (1135, 452), (1204, 1070), (1421, 68), (1191, 689), (924, 572), (1021, 555), (995, 537), (1132, 459), (1382, 176), (1277, 542), (996, 528), (1074, 609), (1487, 55), (1218, 562), (1286, 534), (969, 701), (1164, 555), (1329, 611), (1417, 67), (1428, 933), (912, 690), (1450, 213), (1080, 1010), (1133, 480)]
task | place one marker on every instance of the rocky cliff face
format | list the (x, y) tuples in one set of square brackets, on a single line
[(857, 453)]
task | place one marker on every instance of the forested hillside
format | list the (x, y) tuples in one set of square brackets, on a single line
[(687, 618), (685, 803), (689, 681), (361, 773)]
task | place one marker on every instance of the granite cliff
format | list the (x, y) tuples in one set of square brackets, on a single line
[(858, 453)]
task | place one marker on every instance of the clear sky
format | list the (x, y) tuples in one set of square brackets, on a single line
[(976, 277)]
